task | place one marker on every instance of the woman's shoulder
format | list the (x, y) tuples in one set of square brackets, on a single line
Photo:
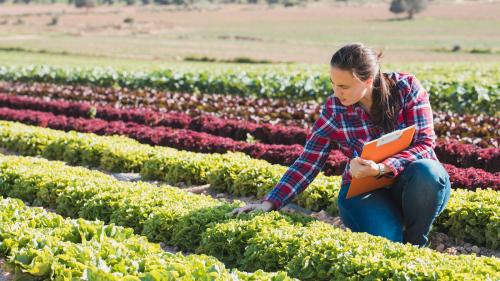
[(403, 79), (406, 83)]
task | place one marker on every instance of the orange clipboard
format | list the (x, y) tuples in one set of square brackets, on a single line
[(377, 151)]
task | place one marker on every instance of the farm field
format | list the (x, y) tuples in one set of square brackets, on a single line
[(215, 145), (121, 159)]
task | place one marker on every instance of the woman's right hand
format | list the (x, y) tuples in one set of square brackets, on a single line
[(265, 206)]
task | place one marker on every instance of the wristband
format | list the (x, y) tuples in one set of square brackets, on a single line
[(380, 170)]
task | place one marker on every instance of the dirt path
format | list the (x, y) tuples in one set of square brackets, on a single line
[(4, 275)]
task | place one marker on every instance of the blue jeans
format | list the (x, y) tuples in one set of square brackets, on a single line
[(401, 212)]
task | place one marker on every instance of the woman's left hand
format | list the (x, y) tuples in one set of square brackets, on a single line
[(361, 168)]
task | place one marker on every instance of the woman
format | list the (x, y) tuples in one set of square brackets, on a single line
[(367, 104)]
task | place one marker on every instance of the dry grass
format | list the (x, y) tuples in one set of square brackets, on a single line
[(303, 34)]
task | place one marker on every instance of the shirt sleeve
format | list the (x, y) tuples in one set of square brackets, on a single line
[(307, 166), (417, 111)]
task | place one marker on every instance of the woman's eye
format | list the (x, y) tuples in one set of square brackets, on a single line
[(341, 87)]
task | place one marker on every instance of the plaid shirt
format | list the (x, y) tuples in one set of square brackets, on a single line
[(350, 126)]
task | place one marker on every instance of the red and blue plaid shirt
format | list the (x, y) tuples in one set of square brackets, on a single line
[(351, 126)]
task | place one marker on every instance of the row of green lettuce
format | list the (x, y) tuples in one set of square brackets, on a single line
[(473, 216), (304, 248), (461, 96), (40, 245), (442, 71)]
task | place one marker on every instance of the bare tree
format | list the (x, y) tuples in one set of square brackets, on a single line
[(408, 6), (84, 3)]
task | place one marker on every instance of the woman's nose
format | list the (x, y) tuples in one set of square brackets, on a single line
[(338, 93)]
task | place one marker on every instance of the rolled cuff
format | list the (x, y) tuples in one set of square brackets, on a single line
[(394, 166)]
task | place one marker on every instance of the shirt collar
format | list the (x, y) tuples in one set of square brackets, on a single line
[(353, 107)]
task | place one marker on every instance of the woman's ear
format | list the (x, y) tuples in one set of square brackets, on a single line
[(369, 82)]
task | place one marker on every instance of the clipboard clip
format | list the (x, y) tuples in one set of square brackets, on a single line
[(390, 137)]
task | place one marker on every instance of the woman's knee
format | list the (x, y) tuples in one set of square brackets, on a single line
[(428, 185), (427, 172)]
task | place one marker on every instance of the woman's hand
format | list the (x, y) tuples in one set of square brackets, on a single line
[(361, 168), (265, 206)]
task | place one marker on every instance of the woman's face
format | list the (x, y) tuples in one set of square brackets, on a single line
[(348, 88)]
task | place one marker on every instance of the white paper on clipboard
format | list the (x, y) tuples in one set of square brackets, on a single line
[(388, 138)]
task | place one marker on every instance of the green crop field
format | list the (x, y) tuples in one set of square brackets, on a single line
[(129, 133)]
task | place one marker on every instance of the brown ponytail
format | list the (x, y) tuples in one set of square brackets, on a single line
[(364, 63)]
